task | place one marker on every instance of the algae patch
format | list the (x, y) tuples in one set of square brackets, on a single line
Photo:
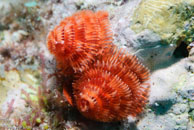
[(11, 80), (14, 80), (167, 18)]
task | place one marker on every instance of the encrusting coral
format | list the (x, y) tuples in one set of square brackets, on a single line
[(168, 18), (109, 84)]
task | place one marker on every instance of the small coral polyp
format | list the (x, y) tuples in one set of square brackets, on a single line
[(112, 88), (110, 84), (79, 38)]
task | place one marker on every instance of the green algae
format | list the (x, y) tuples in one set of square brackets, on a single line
[(168, 18)]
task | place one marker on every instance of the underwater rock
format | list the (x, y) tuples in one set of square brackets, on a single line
[(151, 50), (153, 122), (6, 5), (170, 99), (146, 39), (162, 83), (180, 108), (13, 37), (154, 30), (190, 61)]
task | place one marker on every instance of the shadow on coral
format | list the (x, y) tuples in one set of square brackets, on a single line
[(161, 107), (179, 53)]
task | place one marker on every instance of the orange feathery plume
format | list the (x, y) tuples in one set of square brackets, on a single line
[(79, 38), (109, 84), (112, 88)]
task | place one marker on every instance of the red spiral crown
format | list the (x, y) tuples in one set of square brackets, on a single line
[(112, 88), (79, 38)]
